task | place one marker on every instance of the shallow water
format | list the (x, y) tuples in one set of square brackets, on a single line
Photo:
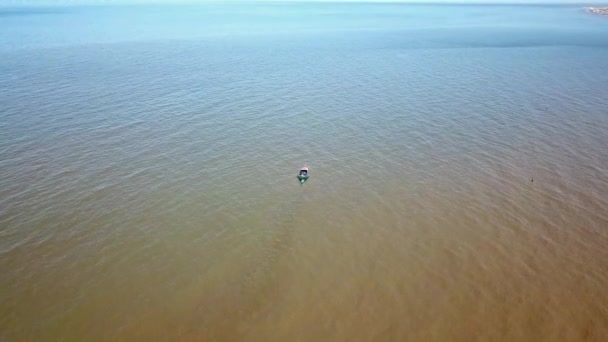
[(458, 190)]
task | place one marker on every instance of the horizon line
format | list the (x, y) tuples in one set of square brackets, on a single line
[(68, 3), (71, 2)]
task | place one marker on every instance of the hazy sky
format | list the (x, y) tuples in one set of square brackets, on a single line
[(76, 2)]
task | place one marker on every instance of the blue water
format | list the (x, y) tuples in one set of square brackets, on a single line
[(458, 172), (367, 25)]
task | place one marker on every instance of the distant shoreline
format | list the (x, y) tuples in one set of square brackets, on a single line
[(597, 10)]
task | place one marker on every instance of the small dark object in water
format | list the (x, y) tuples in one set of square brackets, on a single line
[(303, 175)]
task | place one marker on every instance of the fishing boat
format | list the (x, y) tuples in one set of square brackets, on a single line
[(303, 175)]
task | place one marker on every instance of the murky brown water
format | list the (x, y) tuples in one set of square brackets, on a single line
[(457, 193)]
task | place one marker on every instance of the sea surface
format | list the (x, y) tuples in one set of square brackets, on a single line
[(458, 157)]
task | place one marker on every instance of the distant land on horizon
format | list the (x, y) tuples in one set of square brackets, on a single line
[(598, 10)]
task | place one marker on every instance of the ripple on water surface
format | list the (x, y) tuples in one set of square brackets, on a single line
[(458, 190)]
